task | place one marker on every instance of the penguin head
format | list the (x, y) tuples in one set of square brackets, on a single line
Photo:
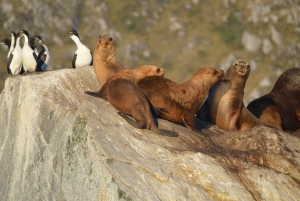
[(37, 38), (18, 35), (73, 33), (13, 34), (24, 32)]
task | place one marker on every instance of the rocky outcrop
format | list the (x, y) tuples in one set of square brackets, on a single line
[(57, 143)]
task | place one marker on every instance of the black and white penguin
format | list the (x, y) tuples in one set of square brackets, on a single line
[(32, 44), (43, 56), (10, 43), (29, 57), (14, 61), (83, 55)]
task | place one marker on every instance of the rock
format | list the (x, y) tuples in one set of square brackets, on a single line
[(276, 36), (250, 42), (267, 46), (57, 143), (265, 82), (227, 62)]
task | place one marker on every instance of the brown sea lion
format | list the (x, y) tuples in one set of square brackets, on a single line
[(281, 107), (122, 92), (179, 103), (224, 105), (105, 62)]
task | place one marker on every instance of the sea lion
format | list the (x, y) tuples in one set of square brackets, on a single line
[(122, 92), (224, 105), (179, 103), (105, 62), (281, 107)]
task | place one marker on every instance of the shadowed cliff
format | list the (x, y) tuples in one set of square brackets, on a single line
[(57, 143)]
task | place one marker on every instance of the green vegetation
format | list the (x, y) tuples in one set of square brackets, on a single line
[(122, 195), (77, 139)]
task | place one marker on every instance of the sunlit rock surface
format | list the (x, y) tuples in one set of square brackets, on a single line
[(57, 143)]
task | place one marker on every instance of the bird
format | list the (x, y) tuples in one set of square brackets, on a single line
[(83, 55), (29, 57), (10, 43), (14, 61), (43, 56)]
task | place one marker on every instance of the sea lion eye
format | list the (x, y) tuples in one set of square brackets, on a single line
[(100, 36), (214, 72), (242, 66), (236, 64), (110, 39), (248, 66), (158, 70)]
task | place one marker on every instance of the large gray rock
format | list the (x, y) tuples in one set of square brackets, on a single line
[(57, 143)]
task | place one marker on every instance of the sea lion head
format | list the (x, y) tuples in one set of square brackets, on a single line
[(148, 70), (240, 69), (216, 73), (105, 42), (208, 75)]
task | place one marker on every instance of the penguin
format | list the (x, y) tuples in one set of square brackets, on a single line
[(43, 56), (29, 57), (10, 43), (33, 46), (83, 55), (14, 62)]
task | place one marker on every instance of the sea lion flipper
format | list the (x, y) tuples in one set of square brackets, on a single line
[(153, 128), (98, 94), (91, 93), (130, 121)]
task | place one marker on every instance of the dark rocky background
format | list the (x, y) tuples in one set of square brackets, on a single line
[(180, 36)]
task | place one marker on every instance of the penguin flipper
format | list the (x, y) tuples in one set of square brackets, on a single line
[(35, 57), (41, 54), (73, 61), (8, 64)]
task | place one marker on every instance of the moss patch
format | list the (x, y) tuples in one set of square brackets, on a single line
[(77, 142), (122, 195)]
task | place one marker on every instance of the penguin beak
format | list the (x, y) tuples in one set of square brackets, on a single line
[(70, 33)]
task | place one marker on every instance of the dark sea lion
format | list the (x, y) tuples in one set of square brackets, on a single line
[(105, 62), (179, 103), (224, 105), (122, 92), (281, 107)]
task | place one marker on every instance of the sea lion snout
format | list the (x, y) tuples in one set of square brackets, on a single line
[(219, 73), (242, 67), (105, 41), (160, 71)]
